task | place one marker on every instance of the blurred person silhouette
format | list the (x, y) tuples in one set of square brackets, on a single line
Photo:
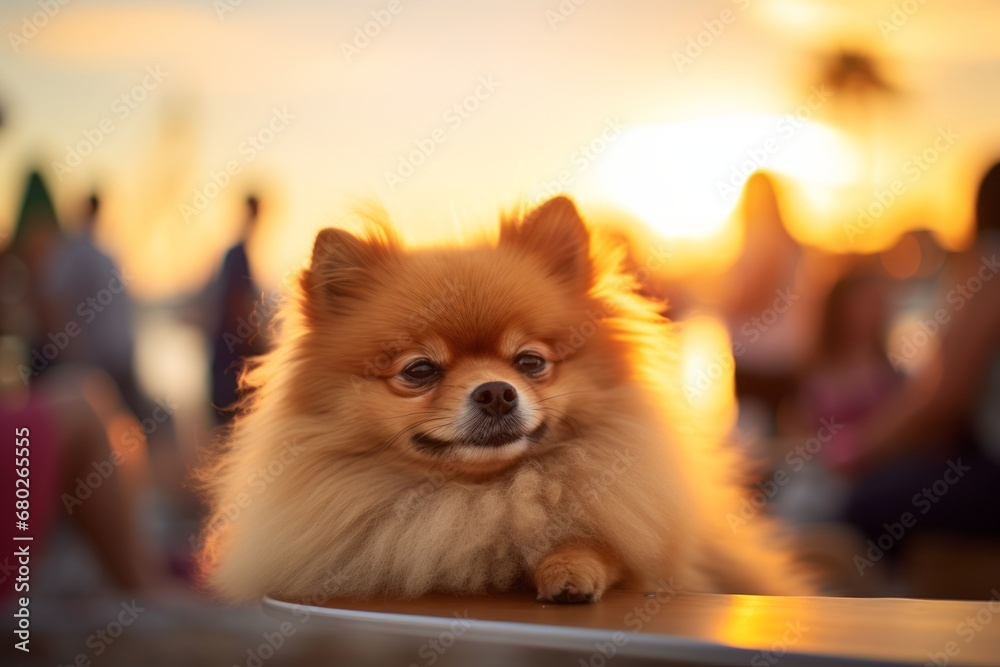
[(35, 240), (75, 471), (84, 285), (917, 265), (851, 374), (66, 435), (849, 378), (933, 450), (771, 304), (917, 258), (237, 333)]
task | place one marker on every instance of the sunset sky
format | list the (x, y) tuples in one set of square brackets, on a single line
[(612, 102)]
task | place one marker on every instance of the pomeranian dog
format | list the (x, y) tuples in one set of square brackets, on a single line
[(476, 419)]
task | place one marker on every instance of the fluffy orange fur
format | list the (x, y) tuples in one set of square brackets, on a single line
[(326, 485)]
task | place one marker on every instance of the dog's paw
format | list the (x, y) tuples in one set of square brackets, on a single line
[(574, 575), (570, 595)]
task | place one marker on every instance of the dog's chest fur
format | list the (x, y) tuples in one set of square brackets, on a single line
[(447, 535)]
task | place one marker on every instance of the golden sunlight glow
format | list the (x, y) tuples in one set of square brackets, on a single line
[(748, 619), (684, 179), (171, 360), (708, 371), (910, 346)]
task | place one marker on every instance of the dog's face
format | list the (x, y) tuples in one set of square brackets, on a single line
[(475, 356)]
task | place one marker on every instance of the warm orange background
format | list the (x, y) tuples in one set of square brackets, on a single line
[(673, 132)]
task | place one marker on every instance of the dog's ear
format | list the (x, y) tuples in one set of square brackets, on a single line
[(555, 232), (343, 266)]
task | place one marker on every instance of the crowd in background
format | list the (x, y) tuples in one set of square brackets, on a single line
[(871, 385), (875, 381)]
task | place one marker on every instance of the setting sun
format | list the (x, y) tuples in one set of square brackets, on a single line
[(684, 179)]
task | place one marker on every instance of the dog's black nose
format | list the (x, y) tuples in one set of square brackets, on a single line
[(495, 398)]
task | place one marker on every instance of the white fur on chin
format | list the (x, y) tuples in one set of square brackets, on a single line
[(478, 454)]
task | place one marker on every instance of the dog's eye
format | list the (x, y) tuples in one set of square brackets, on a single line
[(420, 371), (529, 364)]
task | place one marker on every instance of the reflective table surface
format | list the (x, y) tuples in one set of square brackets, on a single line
[(688, 628)]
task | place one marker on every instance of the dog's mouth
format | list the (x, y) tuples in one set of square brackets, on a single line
[(489, 440)]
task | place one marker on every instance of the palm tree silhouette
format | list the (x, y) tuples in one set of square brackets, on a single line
[(862, 91)]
